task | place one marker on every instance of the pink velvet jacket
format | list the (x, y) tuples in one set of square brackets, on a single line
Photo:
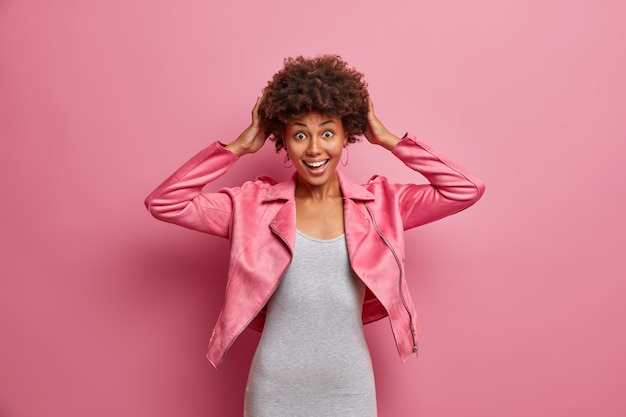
[(259, 218)]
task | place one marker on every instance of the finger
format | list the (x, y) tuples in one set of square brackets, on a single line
[(370, 105), (255, 109)]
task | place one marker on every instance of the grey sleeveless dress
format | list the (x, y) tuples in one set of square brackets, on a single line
[(312, 359)]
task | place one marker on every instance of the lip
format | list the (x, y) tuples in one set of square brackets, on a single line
[(316, 170)]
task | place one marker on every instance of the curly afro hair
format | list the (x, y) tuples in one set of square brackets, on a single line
[(322, 84)]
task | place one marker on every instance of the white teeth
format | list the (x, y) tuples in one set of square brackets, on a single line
[(315, 164)]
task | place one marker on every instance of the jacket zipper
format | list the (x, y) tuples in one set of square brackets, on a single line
[(261, 308), (395, 255)]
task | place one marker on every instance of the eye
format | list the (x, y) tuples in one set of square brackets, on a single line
[(328, 134), (300, 136)]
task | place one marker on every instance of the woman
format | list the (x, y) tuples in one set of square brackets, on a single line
[(314, 257)]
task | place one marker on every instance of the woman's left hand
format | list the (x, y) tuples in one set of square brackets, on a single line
[(375, 132)]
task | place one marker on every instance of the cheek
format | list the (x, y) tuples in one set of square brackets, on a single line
[(290, 144), (293, 149)]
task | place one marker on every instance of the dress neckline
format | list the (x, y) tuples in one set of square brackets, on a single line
[(314, 239)]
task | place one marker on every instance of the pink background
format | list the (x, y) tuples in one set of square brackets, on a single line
[(105, 311)]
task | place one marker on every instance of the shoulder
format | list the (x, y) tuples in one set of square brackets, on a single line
[(265, 181), (258, 186), (377, 183), (381, 189), (260, 183), (376, 179)]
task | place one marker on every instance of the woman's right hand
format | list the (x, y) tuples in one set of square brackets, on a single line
[(253, 138)]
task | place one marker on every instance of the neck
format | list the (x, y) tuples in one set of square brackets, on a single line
[(318, 192)]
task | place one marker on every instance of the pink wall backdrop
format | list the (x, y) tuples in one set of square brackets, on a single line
[(105, 311)]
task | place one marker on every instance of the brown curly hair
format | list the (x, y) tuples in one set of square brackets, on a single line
[(322, 84)]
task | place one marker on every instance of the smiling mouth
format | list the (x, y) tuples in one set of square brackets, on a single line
[(315, 165)]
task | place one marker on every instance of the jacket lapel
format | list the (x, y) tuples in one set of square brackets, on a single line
[(284, 222), (356, 218)]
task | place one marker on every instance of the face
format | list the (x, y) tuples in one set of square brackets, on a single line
[(314, 144)]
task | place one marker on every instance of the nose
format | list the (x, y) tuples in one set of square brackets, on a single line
[(314, 146)]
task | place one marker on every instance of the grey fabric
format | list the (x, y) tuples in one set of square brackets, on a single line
[(312, 359)]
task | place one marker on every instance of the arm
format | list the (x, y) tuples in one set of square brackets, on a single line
[(180, 200), (452, 188)]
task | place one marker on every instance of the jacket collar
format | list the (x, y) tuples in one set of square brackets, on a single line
[(286, 190)]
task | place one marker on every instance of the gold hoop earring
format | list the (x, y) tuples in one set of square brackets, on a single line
[(345, 152)]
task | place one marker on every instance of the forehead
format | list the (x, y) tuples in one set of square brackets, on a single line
[(313, 119)]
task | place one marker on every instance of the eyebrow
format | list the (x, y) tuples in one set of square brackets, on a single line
[(305, 125)]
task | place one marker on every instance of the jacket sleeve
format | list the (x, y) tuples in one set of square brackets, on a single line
[(451, 189), (180, 200)]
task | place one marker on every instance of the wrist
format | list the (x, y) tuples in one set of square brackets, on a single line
[(389, 141), (235, 148)]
